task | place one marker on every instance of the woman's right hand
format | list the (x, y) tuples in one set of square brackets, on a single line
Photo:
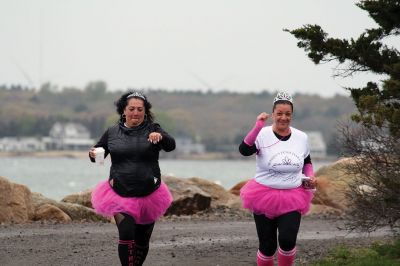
[(263, 116), (92, 154)]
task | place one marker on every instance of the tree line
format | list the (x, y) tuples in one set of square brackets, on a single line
[(217, 119)]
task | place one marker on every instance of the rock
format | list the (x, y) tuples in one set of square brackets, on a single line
[(75, 211), (365, 189), (82, 198), (236, 188), (51, 212), (330, 193), (15, 202), (219, 196), (81, 213), (188, 198), (332, 184), (336, 170)]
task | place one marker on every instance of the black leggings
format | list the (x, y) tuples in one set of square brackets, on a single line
[(129, 230), (288, 226)]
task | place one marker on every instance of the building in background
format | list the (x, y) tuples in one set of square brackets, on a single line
[(68, 136), (317, 144), (21, 144), (62, 136)]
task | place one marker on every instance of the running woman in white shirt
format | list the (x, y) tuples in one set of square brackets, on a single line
[(280, 192)]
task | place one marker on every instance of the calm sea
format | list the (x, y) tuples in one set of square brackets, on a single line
[(57, 177)]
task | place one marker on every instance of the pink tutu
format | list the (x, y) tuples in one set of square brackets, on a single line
[(144, 210), (272, 202)]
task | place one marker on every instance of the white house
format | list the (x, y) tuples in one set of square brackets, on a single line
[(68, 136), (317, 144)]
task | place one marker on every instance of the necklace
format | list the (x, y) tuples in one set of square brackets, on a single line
[(279, 139)]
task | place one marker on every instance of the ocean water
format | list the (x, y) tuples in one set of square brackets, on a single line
[(58, 177)]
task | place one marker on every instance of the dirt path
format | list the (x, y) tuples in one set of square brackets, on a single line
[(173, 243)]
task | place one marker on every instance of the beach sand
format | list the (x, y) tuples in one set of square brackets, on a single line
[(175, 241)]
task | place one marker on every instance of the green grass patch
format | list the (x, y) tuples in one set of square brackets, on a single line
[(377, 254)]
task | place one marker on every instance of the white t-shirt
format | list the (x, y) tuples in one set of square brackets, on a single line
[(280, 163)]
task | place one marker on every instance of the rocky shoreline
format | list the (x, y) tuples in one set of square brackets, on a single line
[(191, 196)]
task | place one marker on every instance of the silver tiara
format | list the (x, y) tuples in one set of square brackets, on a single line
[(283, 96), (136, 94)]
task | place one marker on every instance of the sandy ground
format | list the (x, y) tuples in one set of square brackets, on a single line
[(183, 241)]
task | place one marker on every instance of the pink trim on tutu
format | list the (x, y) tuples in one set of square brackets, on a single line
[(144, 210), (272, 202)]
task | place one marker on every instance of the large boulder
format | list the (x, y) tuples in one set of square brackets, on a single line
[(333, 181), (82, 198), (51, 212), (330, 193), (15, 202), (75, 211), (336, 170), (188, 198), (219, 196), (236, 188)]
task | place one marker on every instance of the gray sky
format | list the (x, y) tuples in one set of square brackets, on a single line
[(173, 44)]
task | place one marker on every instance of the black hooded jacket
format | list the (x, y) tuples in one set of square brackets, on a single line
[(134, 160)]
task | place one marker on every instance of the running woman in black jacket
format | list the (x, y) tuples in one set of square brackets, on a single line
[(134, 193)]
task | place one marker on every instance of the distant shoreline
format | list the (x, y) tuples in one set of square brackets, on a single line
[(200, 157), (46, 154), (84, 154)]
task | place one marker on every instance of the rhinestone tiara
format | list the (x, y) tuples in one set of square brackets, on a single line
[(283, 96), (136, 94)]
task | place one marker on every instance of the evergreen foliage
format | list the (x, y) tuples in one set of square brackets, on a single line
[(378, 105), (374, 140)]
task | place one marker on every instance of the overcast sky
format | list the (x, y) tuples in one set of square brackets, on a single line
[(235, 45)]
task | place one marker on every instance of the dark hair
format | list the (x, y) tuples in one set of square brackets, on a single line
[(282, 102), (122, 102)]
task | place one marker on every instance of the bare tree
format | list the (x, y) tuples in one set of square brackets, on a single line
[(374, 193)]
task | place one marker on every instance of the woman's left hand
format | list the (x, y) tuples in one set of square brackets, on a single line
[(155, 137), (312, 182), (309, 182)]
